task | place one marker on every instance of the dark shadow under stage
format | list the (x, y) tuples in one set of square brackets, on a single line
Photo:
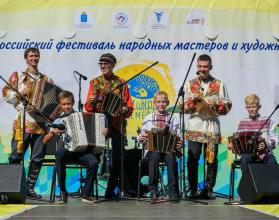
[(75, 209)]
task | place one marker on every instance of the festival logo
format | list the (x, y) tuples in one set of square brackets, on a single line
[(143, 88), (83, 19), (196, 17), (121, 20), (158, 20)]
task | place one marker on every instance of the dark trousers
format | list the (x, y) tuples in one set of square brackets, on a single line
[(194, 152), (170, 160), (248, 158), (85, 158), (115, 162), (37, 148), (35, 141)]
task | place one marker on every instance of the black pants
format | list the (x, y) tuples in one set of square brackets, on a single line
[(37, 155), (170, 160), (86, 158), (115, 162), (248, 158), (194, 152), (37, 148)]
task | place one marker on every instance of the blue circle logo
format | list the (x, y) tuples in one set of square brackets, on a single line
[(143, 87)]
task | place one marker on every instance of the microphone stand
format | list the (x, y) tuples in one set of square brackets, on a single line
[(122, 147), (181, 94), (259, 131), (80, 107)]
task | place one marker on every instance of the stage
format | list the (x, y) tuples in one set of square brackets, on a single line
[(75, 209)]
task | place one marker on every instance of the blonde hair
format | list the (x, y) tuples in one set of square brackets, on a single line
[(161, 93), (66, 94), (252, 99)]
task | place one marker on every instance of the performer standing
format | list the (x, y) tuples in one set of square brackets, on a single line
[(159, 119), (64, 156), (268, 138), (33, 130), (206, 99), (98, 88)]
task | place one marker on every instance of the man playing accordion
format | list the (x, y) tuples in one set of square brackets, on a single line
[(265, 143), (96, 101), (34, 130), (160, 119), (206, 99)]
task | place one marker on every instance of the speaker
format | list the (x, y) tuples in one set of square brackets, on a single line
[(13, 182), (259, 184)]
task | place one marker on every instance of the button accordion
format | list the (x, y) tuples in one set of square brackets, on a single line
[(84, 130)]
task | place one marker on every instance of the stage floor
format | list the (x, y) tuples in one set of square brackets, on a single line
[(123, 209)]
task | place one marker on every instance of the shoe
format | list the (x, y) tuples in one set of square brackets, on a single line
[(153, 196), (63, 197), (31, 194), (210, 194), (174, 198), (110, 195), (88, 199), (193, 195)]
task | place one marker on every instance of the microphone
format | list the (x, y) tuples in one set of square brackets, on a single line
[(82, 76), (59, 126), (197, 73)]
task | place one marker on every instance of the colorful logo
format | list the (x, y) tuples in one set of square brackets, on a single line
[(83, 17), (121, 18), (143, 88)]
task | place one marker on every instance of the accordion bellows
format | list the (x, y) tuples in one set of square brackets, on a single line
[(44, 97), (161, 141)]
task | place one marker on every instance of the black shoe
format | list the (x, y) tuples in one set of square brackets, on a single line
[(31, 194), (110, 195), (193, 195), (174, 198), (210, 194), (3, 198), (153, 196)]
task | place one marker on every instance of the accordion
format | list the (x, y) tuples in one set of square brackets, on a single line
[(44, 97), (84, 130), (111, 103), (159, 140), (244, 142)]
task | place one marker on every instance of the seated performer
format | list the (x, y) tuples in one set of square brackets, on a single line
[(267, 140), (98, 88), (159, 119), (64, 156)]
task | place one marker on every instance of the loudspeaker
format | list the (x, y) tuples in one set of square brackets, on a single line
[(259, 184), (13, 182)]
